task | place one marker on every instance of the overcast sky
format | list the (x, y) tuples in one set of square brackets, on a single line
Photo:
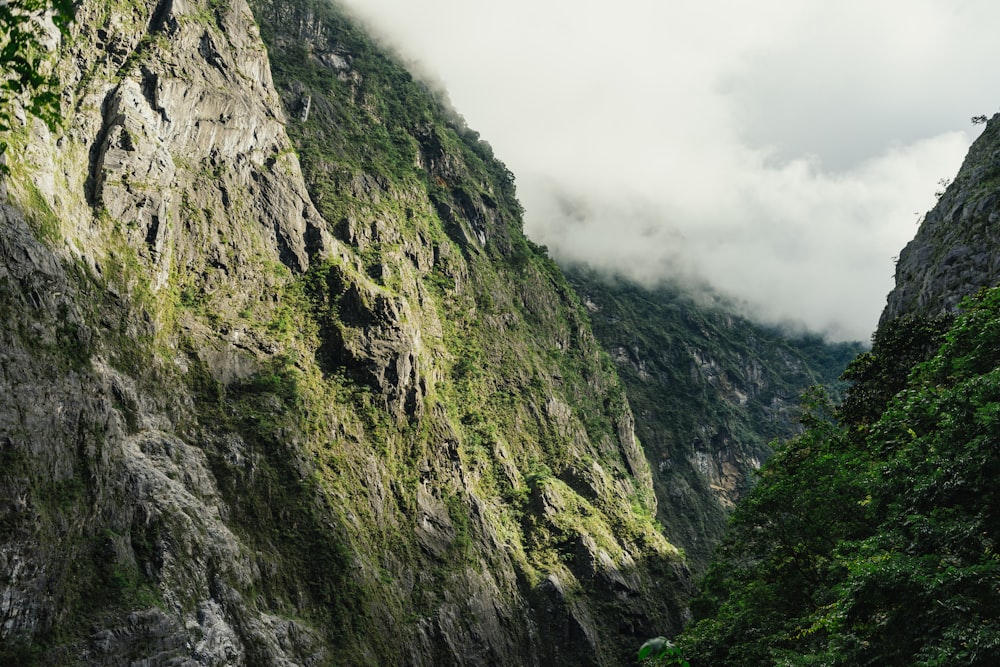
[(781, 150)]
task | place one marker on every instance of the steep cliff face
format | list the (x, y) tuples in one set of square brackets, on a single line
[(710, 391), (284, 383), (956, 251)]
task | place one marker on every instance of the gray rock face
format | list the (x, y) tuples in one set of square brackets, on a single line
[(194, 89), (956, 251), (190, 170), (97, 499)]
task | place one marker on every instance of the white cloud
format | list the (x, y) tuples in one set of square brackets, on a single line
[(781, 151)]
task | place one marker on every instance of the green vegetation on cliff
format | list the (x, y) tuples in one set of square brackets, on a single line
[(507, 373), (871, 538), (23, 61)]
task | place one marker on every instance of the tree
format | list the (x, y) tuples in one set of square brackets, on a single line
[(769, 588), (21, 58)]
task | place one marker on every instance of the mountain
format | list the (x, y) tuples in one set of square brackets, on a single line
[(956, 249), (283, 382), (710, 391), (871, 537)]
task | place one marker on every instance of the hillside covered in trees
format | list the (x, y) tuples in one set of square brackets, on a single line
[(871, 538)]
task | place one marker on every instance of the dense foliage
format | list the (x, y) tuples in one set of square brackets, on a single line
[(21, 59), (871, 538)]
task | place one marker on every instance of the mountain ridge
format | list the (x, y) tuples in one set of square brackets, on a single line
[(954, 251), (287, 379)]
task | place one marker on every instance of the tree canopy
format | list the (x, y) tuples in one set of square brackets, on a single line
[(21, 57), (870, 539)]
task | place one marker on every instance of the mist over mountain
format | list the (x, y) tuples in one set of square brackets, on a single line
[(736, 144)]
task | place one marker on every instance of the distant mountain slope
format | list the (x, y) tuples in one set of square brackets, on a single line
[(710, 390)]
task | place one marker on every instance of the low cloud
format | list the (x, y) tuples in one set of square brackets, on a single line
[(780, 152)]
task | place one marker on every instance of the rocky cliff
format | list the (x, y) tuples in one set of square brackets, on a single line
[(710, 391), (283, 382), (956, 250)]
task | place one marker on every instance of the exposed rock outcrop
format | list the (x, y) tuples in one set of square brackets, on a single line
[(956, 251)]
